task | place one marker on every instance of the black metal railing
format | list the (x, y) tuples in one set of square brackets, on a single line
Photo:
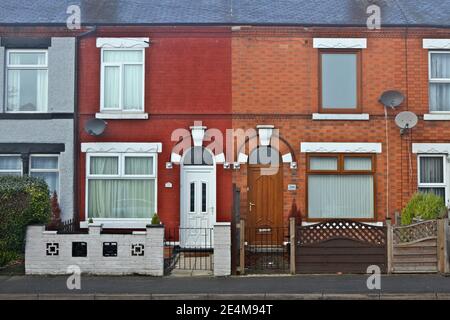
[(71, 226), (267, 249), (188, 249)]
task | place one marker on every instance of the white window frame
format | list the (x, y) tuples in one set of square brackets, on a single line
[(13, 171), (24, 67), (435, 80), (133, 222), (57, 170), (120, 65), (444, 184)]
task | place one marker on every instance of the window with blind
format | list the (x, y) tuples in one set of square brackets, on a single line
[(439, 81), (431, 177), (122, 80), (10, 165), (46, 167), (341, 186), (340, 81), (121, 186)]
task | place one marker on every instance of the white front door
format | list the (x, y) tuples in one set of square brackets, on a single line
[(198, 206)]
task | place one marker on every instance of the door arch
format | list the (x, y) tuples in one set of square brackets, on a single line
[(197, 198)]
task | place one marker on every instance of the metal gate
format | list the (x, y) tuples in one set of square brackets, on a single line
[(340, 246)]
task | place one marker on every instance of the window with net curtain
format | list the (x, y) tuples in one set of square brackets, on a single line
[(431, 175), (123, 78), (46, 168), (340, 187), (10, 165), (439, 72), (121, 187), (27, 81)]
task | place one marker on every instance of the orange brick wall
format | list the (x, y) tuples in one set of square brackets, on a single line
[(275, 81)]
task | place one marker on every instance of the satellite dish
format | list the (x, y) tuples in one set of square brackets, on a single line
[(392, 98), (95, 127), (406, 120)]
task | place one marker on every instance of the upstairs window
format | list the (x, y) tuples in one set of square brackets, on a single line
[(339, 81), (122, 80), (439, 81), (26, 81)]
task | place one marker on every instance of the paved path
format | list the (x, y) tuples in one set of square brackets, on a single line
[(258, 287)]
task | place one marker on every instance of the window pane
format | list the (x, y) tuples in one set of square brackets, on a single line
[(104, 165), (138, 166), (339, 81), (113, 198), (51, 178), (122, 56), (203, 197), (323, 163), (340, 196), (27, 58), (440, 65), (192, 197), (431, 170), (27, 90), (132, 91), (10, 163), (439, 96), (264, 155), (44, 162), (437, 191), (358, 163), (198, 156), (111, 87)]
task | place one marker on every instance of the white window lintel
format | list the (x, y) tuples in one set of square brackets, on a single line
[(340, 147), (121, 147), (431, 148), (341, 116), (436, 43), (123, 42), (340, 43)]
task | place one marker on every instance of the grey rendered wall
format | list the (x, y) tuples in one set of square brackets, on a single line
[(2, 75), (47, 131), (61, 73)]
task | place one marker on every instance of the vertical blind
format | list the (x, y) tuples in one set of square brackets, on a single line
[(432, 173)]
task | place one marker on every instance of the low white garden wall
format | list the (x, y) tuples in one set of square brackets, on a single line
[(47, 252)]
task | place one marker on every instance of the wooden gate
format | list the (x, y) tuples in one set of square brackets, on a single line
[(415, 247), (340, 246)]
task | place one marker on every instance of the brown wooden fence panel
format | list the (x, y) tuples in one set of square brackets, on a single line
[(415, 248), (340, 246)]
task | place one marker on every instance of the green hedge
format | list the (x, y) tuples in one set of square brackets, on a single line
[(425, 206), (23, 201)]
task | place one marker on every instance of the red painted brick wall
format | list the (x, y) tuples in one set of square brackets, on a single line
[(187, 78)]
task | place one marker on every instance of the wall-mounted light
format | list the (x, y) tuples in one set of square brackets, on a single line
[(169, 165), (226, 165), (293, 165), (236, 166)]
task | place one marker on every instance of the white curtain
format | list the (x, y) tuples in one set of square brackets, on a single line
[(138, 166), (13, 90), (132, 91), (431, 170), (111, 87), (10, 163), (115, 198), (340, 196), (104, 165), (440, 92)]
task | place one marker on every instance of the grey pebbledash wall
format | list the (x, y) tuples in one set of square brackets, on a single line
[(61, 78)]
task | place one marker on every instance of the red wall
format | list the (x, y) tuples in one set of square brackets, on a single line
[(187, 78)]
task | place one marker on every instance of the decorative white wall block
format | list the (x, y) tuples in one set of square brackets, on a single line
[(440, 148), (265, 134), (436, 43), (118, 147)]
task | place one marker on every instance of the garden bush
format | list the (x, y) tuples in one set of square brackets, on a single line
[(426, 206), (23, 201)]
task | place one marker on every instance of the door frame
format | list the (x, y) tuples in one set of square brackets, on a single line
[(210, 169)]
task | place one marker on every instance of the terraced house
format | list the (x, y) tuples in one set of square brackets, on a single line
[(308, 78)]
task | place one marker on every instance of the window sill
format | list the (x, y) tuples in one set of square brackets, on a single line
[(436, 117), (333, 116), (119, 223), (121, 115)]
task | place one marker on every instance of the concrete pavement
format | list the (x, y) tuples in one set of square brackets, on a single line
[(244, 287)]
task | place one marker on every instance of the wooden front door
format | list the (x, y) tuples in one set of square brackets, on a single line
[(265, 205)]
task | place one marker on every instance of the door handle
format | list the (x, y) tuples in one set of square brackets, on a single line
[(250, 204)]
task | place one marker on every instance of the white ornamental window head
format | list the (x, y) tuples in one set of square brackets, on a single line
[(198, 134), (265, 134)]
